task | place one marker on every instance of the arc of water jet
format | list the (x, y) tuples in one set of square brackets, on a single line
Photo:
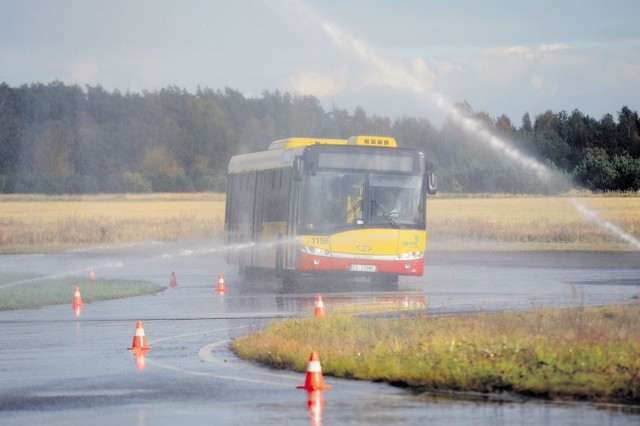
[(351, 44)]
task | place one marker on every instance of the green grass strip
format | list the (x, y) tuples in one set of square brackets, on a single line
[(33, 294), (574, 354)]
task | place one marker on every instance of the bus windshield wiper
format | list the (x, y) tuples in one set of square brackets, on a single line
[(351, 211), (385, 214)]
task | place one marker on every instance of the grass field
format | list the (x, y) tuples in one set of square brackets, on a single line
[(29, 223), (33, 292), (532, 223), (581, 353)]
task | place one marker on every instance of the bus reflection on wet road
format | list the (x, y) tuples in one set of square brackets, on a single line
[(60, 366)]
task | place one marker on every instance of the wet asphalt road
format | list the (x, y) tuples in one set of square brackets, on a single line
[(56, 368)]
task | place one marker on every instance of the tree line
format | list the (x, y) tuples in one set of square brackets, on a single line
[(57, 138)]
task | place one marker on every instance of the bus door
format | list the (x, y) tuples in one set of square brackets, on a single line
[(241, 218), (272, 218), (291, 244), (257, 218)]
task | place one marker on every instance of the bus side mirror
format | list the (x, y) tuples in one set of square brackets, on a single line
[(297, 168), (432, 186)]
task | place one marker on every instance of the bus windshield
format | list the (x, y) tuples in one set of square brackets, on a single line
[(334, 200)]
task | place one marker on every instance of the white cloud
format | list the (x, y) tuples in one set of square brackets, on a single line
[(445, 67), (510, 50), (537, 81), (83, 73), (529, 53), (553, 47), (317, 84), (541, 84)]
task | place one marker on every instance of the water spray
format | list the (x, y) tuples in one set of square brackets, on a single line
[(401, 78), (165, 256), (611, 228)]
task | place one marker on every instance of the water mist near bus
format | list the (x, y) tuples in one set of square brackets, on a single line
[(418, 80)]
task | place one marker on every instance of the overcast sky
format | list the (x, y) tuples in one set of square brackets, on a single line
[(393, 58)]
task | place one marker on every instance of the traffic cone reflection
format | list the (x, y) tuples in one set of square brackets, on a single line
[(77, 299), (319, 309), (77, 310), (92, 275), (315, 403), (139, 339), (173, 281), (140, 359), (221, 287), (314, 379)]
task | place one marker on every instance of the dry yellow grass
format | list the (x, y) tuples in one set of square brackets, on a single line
[(39, 222), (36, 222), (549, 223)]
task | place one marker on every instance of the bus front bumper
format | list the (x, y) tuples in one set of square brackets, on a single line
[(383, 265)]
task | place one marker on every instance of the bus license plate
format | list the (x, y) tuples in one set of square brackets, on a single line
[(362, 268)]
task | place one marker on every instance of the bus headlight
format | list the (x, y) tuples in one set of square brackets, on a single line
[(410, 255), (315, 251)]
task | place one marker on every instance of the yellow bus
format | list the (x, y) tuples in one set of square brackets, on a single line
[(311, 207)]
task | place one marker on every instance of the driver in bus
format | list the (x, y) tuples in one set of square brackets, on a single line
[(388, 203), (333, 208)]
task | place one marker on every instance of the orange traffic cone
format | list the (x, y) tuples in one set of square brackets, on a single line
[(314, 380), (77, 299), (173, 281), (92, 275), (221, 288), (319, 311), (139, 339)]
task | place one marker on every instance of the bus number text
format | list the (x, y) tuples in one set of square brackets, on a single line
[(321, 240)]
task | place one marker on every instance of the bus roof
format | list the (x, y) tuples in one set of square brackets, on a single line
[(385, 141), (282, 152)]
